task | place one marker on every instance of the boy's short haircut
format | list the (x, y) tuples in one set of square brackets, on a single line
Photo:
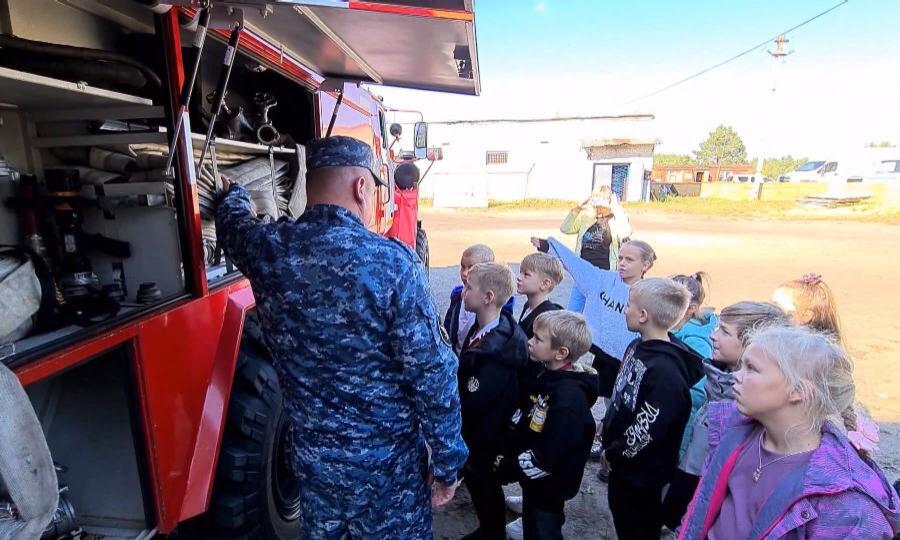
[(665, 300), (495, 277), (567, 329), (479, 251), (545, 264)]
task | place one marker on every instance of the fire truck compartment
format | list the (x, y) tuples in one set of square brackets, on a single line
[(109, 147), (91, 420)]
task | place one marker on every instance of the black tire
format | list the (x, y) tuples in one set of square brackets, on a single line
[(256, 493), (422, 246)]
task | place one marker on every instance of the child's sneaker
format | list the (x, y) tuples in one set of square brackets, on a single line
[(514, 504), (514, 530), (603, 473), (596, 451)]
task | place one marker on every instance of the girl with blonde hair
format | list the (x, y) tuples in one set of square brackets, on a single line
[(809, 301), (735, 326), (782, 464)]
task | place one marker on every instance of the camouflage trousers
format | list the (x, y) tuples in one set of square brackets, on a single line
[(349, 503)]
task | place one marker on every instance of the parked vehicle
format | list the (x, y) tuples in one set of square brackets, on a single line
[(840, 172), (742, 177), (887, 171), (808, 172)]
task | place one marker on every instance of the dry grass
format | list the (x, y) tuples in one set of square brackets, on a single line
[(532, 204), (714, 207), (721, 208), (767, 210)]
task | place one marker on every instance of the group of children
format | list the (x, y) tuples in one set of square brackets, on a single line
[(736, 425), (526, 402)]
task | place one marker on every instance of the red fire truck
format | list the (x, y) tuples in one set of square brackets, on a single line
[(142, 359)]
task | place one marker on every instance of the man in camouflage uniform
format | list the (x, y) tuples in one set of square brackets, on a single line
[(368, 377)]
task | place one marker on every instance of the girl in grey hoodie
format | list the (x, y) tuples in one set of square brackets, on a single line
[(606, 291), (737, 323)]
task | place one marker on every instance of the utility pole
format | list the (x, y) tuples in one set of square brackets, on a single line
[(778, 55)]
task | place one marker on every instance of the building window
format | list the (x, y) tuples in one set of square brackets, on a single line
[(496, 157)]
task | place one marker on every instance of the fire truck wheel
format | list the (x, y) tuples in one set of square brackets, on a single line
[(256, 494), (422, 247)]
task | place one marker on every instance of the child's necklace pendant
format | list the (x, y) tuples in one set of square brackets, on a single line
[(757, 473)]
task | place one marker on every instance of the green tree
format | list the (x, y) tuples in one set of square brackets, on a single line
[(722, 146), (775, 167), (673, 159)]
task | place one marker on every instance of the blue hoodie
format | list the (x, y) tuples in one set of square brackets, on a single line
[(697, 335)]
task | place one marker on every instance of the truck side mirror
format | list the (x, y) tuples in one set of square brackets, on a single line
[(420, 140), (395, 130)]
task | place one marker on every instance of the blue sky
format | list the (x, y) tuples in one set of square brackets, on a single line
[(839, 89)]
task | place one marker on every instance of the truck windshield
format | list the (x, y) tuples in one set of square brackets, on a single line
[(810, 165)]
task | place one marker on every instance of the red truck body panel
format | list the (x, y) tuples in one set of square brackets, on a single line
[(183, 359)]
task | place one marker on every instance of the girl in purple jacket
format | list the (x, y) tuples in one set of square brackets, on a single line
[(781, 464)]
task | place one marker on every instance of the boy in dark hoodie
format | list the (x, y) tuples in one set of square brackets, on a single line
[(492, 356), (458, 321), (539, 274), (650, 406), (552, 430)]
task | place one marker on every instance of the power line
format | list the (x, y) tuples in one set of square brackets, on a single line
[(739, 55)]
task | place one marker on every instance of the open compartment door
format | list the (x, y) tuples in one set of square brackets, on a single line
[(423, 44)]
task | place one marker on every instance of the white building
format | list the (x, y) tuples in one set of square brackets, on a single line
[(558, 158)]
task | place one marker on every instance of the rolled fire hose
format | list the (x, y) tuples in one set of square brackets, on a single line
[(26, 467)]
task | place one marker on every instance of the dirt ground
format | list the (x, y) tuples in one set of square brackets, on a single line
[(747, 260)]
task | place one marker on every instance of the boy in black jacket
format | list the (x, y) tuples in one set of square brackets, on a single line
[(458, 321), (650, 406), (492, 355), (553, 428), (539, 274)]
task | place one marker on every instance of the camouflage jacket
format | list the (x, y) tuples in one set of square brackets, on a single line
[(353, 330)]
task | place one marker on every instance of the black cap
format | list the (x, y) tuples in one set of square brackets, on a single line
[(340, 151)]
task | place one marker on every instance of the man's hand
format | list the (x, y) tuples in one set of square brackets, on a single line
[(226, 183), (536, 242), (441, 493)]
